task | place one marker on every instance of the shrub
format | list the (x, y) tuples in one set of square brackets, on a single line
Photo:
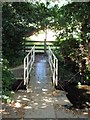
[(7, 76)]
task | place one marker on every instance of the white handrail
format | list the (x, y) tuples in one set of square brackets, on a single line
[(53, 61), (28, 63)]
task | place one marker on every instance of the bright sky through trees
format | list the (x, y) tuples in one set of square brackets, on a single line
[(52, 2), (41, 36)]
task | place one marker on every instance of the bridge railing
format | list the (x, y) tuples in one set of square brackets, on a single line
[(28, 63), (53, 62), (39, 45)]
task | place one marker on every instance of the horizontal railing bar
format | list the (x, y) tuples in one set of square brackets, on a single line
[(38, 41), (37, 48), (36, 45), (36, 51)]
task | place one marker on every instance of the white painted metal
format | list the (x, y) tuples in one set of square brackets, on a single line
[(53, 61), (28, 63)]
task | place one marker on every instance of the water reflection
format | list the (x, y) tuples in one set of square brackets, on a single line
[(41, 71)]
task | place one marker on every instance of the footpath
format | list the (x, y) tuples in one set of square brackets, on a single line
[(42, 100)]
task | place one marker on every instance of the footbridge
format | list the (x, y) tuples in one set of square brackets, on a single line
[(30, 59)]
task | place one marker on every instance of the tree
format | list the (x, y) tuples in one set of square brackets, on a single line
[(19, 21), (72, 22), (12, 33)]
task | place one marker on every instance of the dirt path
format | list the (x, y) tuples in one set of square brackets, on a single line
[(43, 101)]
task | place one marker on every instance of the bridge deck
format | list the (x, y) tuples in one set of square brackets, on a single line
[(42, 101)]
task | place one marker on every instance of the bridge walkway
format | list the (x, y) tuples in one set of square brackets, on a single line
[(42, 100)]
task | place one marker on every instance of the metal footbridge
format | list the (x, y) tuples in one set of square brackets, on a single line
[(29, 61)]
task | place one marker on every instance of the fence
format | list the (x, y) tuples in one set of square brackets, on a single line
[(53, 61), (28, 63), (39, 45)]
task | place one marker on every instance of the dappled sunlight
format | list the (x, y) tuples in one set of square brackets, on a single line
[(56, 100), (43, 106), (67, 101), (47, 99), (38, 82), (25, 96), (26, 99), (45, 93), (18, 100), (85, 113), (35, 103), (3, 110), (27, 107), (44, 90), (18, 105), (19, 97), (42, 98), (39, 102), (37, 94)]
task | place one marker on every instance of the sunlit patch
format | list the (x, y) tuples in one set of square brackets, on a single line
[(5, 97), (44, 90), (13, 108), (54, 93), (25, 96), (26, 99), (56, 100), (38, 82), (18, 105), (47, 99), (18, 100), (28, 107), (43, 106), (35, 103), (2, 110), (66, 101), (2, 103), (29, 90), (85, 113), (44, 93), (6, 113), (12, 92), (37, 94), (19, 96)]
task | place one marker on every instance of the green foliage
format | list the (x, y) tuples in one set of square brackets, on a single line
[(72, 25), (12, 33), (7, 97), (7, 76), (20, 19)]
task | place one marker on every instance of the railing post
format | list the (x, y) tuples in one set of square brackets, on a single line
[(33, 53), (24, 71), (27, 71), (56, 72)]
